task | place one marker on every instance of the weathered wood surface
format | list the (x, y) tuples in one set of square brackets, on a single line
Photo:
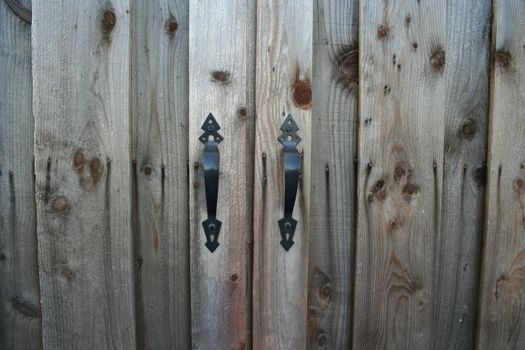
[(283, 86), (502, 316), (401, 136), (334, 140), (81, 103), (20, 316), (159, 55), (467, 52), (221, 58)]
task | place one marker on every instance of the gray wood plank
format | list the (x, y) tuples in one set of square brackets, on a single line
[(283, 86), (221, 59), (20, 315), (400, 167), (502, 321), (334, 141), (467, 52), (83, 176), (159, 110)]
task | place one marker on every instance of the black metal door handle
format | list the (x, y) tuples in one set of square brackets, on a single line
[(292, 173), (211, 159)]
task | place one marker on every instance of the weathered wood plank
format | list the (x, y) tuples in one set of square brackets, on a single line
[(283, 86), (20, 316), (502, 317), (220, 38), (334, 140), (83, 176), (401, 135), (466, 111), (160, 174)]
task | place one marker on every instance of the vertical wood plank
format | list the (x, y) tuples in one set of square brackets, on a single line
[(283, 86), (220, 62), (20, 316), (467, 52), (160, 173), (334, 140), (83, 181), (502, 321), (401, 133)]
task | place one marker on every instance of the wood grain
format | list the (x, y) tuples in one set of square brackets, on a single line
[(83, 175), (502, 321), (401, 135), (467, 56), (20, 315), (160, 175), (283, 86), (334, 141), (221, 58)]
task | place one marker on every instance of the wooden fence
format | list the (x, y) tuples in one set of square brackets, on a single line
[(411, 204)]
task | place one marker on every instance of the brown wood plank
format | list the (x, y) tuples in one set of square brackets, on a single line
[(221, 59), (20, 315), (83, 175), (283, 86), (502, 316), (401, 135), (160, 172), (467, 52), (334, 141)]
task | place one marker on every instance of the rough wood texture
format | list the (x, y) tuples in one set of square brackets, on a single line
[(467, 55), (332, 221), (401, 136), (220, 61), (83, 178), (502, 318), (20, 316), (283, 86), (160, 173)]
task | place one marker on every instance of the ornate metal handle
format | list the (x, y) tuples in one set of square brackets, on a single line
[(292, 172), (211, 158)]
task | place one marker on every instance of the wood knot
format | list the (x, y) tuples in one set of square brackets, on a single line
[(78, 161), (325, 292), (399, 172), (302, 94), (518, 185), (60, 204), (503, 58), (382, 32), (66, 272), (220, 76), (25, 307), (381, 195), (322, 339), (234, 278), (348, 68), (148, 169), (468, 131), (171, 26), (408, 19), (437, 59), (379, 185), (242, 113), (393, 224), (95, 168), (108, 21), (411, 189)]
